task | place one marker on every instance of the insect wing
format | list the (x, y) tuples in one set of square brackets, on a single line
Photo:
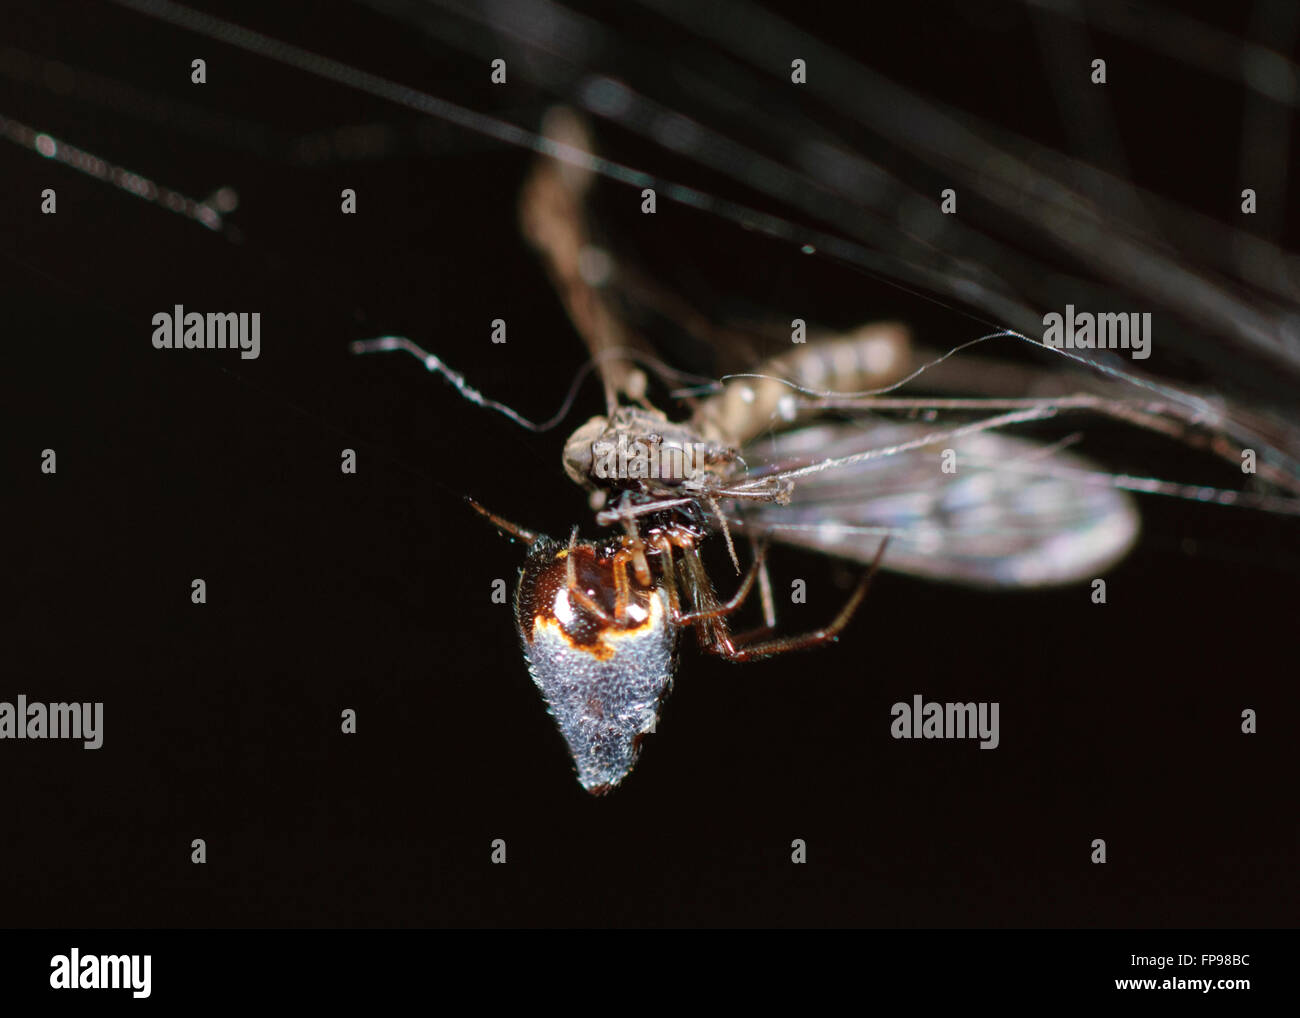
[(1012, 513)]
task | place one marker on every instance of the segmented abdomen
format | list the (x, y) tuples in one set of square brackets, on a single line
[(867, 358)]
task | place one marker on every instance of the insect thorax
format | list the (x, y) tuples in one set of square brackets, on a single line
[(640, 450)]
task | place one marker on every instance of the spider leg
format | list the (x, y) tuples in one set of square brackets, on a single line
[(577, 593), (505, 526), (827, 634), (759, 568)]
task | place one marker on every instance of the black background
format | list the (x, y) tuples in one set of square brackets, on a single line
[(371, 591)]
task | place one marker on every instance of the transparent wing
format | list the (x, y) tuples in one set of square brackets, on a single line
[(1012, 513)]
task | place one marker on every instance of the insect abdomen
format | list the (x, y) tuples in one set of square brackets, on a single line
[(870, 357)]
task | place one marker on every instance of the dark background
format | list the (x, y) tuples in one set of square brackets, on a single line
[(371, 592)]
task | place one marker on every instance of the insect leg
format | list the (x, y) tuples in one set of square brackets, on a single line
[(433, 363)]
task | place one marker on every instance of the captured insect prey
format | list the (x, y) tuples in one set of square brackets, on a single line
[(951, 502)]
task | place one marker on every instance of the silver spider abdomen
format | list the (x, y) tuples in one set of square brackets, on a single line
[(603, 679)]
